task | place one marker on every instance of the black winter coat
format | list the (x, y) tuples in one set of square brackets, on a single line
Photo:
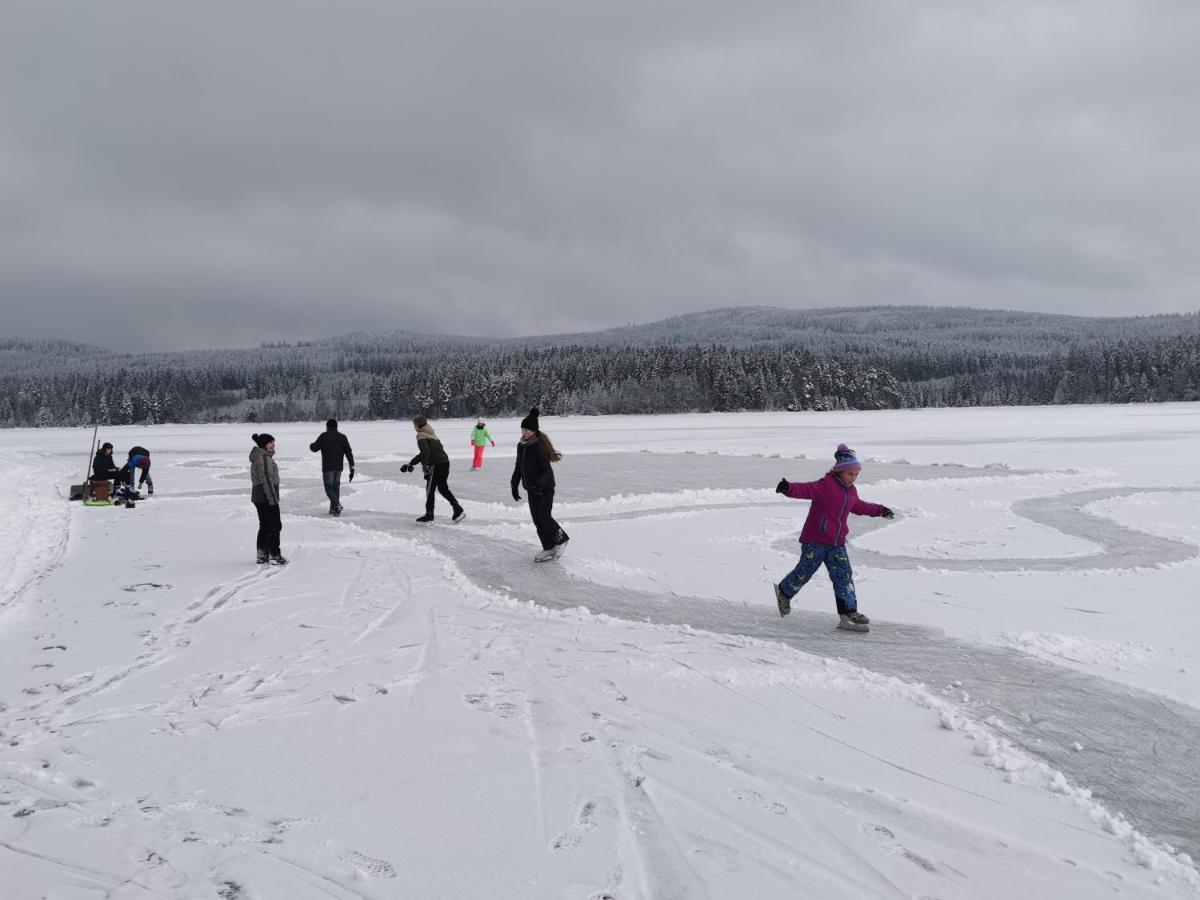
[(533, 467), (103, 467), (333, 446)]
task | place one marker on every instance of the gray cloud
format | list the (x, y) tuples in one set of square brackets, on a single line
[(178, 175)]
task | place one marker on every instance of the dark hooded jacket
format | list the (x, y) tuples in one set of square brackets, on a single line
[(533, 467), (333, 446), (103, 467)]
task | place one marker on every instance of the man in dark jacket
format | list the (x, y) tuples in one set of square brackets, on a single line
[(334, 447), (436, 466), (103, 467)]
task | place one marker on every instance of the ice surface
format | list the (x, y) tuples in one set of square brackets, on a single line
[(408, 712)]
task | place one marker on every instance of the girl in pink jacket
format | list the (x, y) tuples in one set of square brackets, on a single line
[(823, 538)]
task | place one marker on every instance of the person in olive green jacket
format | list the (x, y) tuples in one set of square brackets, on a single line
[(480, 437)]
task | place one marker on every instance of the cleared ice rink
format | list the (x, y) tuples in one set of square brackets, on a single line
[(634, 720)]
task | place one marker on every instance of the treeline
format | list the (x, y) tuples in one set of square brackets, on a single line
[(738, 359), (1124, 371), (374, 381)]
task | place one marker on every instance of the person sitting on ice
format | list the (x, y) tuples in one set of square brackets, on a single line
[(104, 469), (823, 538)]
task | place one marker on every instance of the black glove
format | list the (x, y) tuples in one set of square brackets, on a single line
[(406, 468), (887, 513), (351, 478), (516, 495), (782, 487)]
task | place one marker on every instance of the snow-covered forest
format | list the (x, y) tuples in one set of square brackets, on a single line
[(724, 360)]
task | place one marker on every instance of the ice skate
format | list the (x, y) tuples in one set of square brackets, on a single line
[(428, 517), (459, 515), (560, 546), (784, 603), (853, 622)]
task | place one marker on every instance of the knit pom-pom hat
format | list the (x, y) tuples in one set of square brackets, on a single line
[(845, 460), (531, 421), (261, 439)]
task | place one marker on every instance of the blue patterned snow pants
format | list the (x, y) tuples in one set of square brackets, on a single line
[(837, 561)]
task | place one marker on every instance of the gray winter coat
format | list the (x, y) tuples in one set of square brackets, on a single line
[(264, 477)]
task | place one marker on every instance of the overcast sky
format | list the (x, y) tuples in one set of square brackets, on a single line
[(179, 175)]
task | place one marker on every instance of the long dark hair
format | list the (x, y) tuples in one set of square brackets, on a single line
[(544, 440)]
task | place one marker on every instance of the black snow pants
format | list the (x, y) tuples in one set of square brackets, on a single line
[(541, 504), (269, 526), (439, 475)]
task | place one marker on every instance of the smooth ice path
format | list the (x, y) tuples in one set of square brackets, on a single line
[(1045, 709)]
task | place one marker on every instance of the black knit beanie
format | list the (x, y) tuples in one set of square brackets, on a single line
[(531, 420), (262, 439), (331, 424)]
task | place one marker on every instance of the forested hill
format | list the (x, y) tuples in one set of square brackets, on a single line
[(727, 359), (871, 327)]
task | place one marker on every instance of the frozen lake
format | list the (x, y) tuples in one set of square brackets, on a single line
[(421, 711)]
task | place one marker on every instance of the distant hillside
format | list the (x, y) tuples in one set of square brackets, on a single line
[(726, 359), (858, 328), (18, 356)]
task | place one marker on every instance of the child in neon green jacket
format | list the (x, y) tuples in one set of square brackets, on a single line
[(480, 438)]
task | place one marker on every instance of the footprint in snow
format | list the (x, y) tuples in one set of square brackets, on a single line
[(887, 840), (564, 841), (754, 797), (146, 586), (584, 822), (369, 866)]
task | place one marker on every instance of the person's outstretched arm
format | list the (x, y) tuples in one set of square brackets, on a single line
[(797, 490), (863, 508)]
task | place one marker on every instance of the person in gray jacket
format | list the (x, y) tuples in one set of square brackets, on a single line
[(264, 494), (436, 466)]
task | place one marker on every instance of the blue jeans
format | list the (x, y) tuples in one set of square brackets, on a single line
[(837, 561), (333, 487)]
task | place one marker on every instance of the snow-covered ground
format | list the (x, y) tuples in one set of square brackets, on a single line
[(415, 711)]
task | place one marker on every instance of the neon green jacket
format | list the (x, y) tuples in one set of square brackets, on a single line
[(481, 437)]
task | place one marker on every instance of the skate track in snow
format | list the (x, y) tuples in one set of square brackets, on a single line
[(1152, 778)]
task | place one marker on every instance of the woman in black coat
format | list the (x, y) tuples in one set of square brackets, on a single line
[(535, 453)]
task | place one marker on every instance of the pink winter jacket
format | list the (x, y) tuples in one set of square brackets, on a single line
[(832, 503)]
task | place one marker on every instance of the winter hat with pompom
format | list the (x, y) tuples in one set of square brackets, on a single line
[(845, 460), (262, 439), (531, 420)]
